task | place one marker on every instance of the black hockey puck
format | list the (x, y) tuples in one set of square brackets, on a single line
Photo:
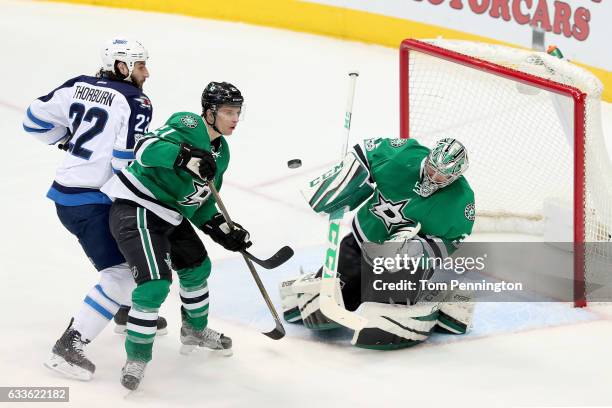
[(294, 163)]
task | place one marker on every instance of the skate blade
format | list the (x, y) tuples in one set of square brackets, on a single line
[(131, 394), (162, 332), (59, 365), (187, 349)]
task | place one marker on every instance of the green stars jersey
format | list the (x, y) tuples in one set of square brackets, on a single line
[(395, 167), (153, 182)]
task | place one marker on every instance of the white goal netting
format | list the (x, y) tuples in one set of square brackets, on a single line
[(519, 135)]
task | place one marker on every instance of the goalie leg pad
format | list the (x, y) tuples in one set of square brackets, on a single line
[(394, 326), (308, 288), (349, 269), (456, 313), (289, 301)]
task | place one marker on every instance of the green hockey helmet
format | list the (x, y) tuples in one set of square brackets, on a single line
[(445, 163)]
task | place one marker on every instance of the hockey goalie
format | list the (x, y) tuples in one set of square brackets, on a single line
[(418, 200)]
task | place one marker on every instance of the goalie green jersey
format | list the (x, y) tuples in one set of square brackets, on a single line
[(153, 182), (394, 167)]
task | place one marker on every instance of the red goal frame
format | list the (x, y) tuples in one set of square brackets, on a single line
[(579, 98)]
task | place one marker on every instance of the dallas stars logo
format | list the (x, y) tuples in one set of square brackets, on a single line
[(200, 194), (398, 142), (470, 212), (390, 213), (189, 121)]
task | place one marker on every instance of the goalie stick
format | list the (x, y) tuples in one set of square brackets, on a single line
[(329, 278), (279, 331)]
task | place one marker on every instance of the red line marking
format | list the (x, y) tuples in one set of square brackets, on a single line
[(11, 106)]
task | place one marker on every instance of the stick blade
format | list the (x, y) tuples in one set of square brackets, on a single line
[(282, 256), (276, 260), (278, 332)]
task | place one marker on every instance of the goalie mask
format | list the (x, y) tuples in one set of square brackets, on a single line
[(446, 162)]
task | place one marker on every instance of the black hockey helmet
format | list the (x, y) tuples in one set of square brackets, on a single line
[(216, 94), (220, 93)]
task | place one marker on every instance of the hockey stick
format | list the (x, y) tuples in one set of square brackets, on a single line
[(279, 330), (276, 260), (329, 278), (280, 257)]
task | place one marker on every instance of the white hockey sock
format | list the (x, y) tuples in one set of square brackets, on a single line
[(96, 311)]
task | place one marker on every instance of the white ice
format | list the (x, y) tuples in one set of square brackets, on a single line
[(549, 355)]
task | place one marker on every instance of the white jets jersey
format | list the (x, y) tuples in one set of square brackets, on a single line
[(104, 117)]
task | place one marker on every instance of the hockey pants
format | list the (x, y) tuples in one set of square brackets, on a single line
[(152, 246)]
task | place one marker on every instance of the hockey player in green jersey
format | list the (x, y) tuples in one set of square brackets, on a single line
[(408, 194), (156, 200)]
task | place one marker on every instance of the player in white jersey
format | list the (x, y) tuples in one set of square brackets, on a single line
[(96, 120)]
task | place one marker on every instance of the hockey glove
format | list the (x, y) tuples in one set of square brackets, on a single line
[(199, 163), (218, 229)]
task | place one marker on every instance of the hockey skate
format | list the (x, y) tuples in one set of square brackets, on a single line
[(121, 318), (67, 356), (192, 338), (132, 374)]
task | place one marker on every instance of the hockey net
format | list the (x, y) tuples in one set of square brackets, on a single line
[(532, 126)]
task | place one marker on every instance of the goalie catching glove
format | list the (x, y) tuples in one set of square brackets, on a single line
[(197, 162), (233, 239)]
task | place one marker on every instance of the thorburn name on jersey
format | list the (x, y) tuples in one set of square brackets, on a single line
[(94, 95)]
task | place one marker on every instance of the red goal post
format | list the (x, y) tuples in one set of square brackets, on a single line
[(479, 93)]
